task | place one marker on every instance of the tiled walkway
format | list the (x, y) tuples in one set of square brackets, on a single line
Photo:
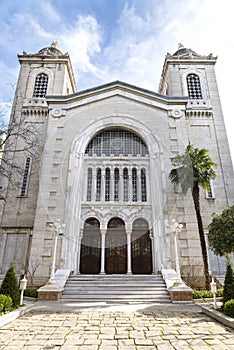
[(115, 327)]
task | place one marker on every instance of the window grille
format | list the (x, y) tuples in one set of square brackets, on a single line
[(194, 87), (107, 187), (116, 142), (125, 184), (40, 87), (24, 187), (143, 186), (89, 185), (116, 185), (134, 185), (210, 190), (99, 181)]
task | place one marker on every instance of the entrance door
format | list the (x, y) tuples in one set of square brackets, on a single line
[(141, 248), (90, 258), (116, 247)]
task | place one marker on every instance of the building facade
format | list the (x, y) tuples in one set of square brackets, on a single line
[(99, 182)]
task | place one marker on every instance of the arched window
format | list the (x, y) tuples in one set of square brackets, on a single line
[(40, 87), (194, 87), (116, 142), (24, 187)]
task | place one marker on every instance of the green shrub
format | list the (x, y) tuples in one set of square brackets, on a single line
[(31, 293), (199, 294), (10, 286), (5, 303), (228, 289), (228, 308)]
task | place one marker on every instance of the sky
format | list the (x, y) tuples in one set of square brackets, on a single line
[(123, 40)]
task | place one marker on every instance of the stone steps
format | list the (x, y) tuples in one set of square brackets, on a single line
[(116, 288)]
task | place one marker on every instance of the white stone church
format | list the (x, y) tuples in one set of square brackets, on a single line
[(100, 186)]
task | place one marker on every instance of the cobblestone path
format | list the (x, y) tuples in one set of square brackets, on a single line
[(112, 328)]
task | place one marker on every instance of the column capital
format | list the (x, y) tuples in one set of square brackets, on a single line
[(128, 232), (103, 230)]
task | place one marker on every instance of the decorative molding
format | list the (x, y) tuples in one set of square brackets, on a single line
[(58, 113), (176, 113)]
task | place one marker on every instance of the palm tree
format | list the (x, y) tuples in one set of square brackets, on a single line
[(193, 169)]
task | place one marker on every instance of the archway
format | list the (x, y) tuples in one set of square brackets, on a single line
[(141, 248), (116, 247), (90, 257)]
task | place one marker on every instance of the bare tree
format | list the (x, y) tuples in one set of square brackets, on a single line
[(18, 136)]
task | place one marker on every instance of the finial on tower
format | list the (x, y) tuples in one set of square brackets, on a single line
[(54, 44), (180, 46)]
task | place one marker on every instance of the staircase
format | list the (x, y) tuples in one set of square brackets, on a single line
[(116, 288)]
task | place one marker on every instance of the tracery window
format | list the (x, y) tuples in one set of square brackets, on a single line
[(194, 87), (120, 174), (116, 142), (24, 187), (40, 87)]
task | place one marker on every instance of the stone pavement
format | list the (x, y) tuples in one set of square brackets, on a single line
[(64, 326)]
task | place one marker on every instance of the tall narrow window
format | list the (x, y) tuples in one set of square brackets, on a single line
[(24, 187), (125, 184), (134, 185), (107, 185), (99, 182), (194, 87), (143, 186), (40, 87), (116, 185), (210, 190), (89, 185)]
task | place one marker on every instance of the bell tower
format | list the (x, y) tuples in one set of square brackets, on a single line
[(189, 74)]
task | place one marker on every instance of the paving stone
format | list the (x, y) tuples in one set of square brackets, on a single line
[(165, 346), (165, 328)]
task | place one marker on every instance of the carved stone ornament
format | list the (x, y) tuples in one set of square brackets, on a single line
[(58, 113), (176, 113)]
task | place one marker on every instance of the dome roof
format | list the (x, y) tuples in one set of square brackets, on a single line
[(51, 50)]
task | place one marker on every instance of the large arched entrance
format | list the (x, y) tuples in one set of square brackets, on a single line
[(116, 247), (141, 250), (90, 259)]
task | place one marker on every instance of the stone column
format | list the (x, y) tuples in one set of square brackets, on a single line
[(79, 250), (112, 184), (130, 184), (129, 252), (147, 185), (103, 185), (138, 184), (103, 237), (121, 184), (154, 250)]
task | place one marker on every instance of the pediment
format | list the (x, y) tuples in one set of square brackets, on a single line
[(115, 90)]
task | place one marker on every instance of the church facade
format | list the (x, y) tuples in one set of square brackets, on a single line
[(99, 185)]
